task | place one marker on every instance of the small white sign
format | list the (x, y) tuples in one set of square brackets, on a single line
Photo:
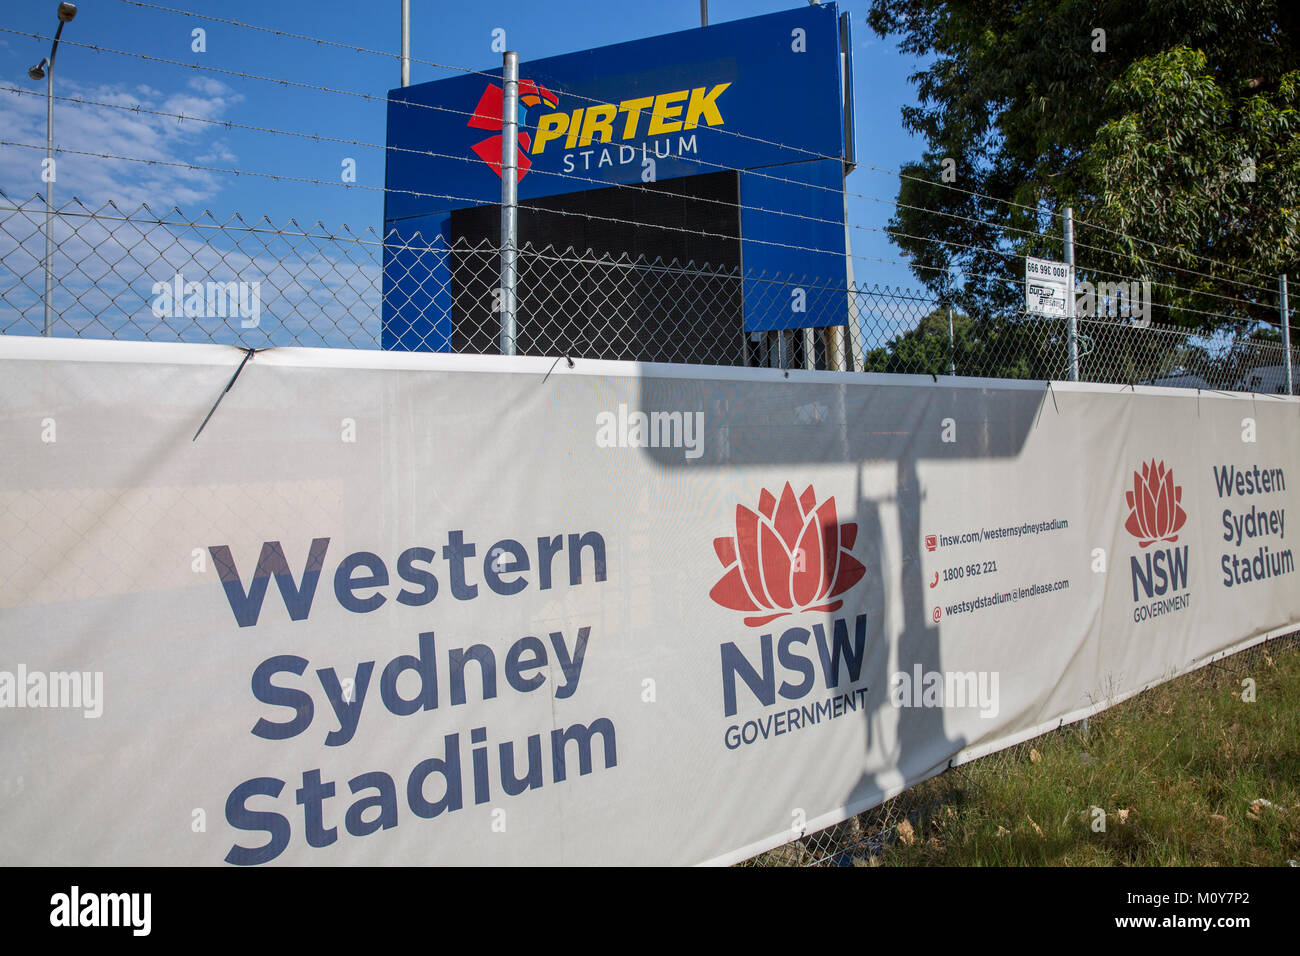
[(1047, 287)]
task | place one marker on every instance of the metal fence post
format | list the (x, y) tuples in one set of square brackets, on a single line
[(1286, 333), (406, 42), (509, 197), (49, 200), (952, 341), (952, 346), (1071, 323)]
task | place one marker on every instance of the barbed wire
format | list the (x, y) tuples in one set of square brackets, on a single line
[(472, 160), (1078, 222), (494, 74), (366, 96), (813, 154), (784, 146), (216, 225), (279, 81), (408, 245), (1090, 270), (862, 318), (279, 177), (443, 109), (1006, 227), (302, 36), (317, 137)]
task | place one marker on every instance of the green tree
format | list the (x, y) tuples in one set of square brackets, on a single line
[(1175, 135), (991, 347)]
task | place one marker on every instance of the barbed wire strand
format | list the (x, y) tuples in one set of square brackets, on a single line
[(849, 193), (854, 256), (785, 146), (230, 124)]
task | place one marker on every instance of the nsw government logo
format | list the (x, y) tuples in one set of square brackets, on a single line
[(1156, 515), (790, 557)]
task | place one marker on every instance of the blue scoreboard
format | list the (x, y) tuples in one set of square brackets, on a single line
[(755, 111)]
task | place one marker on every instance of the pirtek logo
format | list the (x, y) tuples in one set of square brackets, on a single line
[(597, 123), (790, 556), (1155, 505), (487, 115)]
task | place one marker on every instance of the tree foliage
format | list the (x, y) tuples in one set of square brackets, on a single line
[(1177, 145), (993, 346)]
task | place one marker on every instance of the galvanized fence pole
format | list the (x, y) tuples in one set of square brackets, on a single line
[(49, 200), (509, 198), (1071, 322), (1286, 333), (406, 42), (952, 346), (952, 341)]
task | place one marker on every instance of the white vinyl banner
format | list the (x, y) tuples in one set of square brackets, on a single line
[(422, 609)]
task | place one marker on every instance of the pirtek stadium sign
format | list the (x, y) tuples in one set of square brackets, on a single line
[(666, 113)]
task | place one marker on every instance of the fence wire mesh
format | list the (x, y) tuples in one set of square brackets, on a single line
[(138, 275), (862, 839), (141, 275)]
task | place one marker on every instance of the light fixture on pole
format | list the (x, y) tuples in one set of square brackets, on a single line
[(45, 71)]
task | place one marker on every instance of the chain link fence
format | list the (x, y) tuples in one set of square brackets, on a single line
[(307, 286), (861, 840), (142, 276), (139, 275)]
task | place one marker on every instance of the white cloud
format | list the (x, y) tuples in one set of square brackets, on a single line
[(314, 291), (118, 132)]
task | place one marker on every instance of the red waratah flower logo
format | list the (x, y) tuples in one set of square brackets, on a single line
[(790, 556), (1155, 505)]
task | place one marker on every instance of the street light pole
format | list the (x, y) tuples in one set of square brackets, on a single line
[(66, 12)]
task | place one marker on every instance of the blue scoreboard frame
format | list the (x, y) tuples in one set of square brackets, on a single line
[(768, 97)]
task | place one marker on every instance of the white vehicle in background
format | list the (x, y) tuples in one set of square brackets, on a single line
[(1270, 379), (1178, 378)]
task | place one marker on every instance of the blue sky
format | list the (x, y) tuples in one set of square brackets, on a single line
[(458, 34)]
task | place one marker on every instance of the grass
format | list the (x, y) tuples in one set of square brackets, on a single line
[(1178, 771)]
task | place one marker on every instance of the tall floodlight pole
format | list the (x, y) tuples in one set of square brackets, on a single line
[(45, 70), (704, 13), (509, 197), (406, 42)]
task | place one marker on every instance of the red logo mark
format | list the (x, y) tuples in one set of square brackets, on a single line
[(1155, 505), (787, 557), (487, 115), (931, 542)]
